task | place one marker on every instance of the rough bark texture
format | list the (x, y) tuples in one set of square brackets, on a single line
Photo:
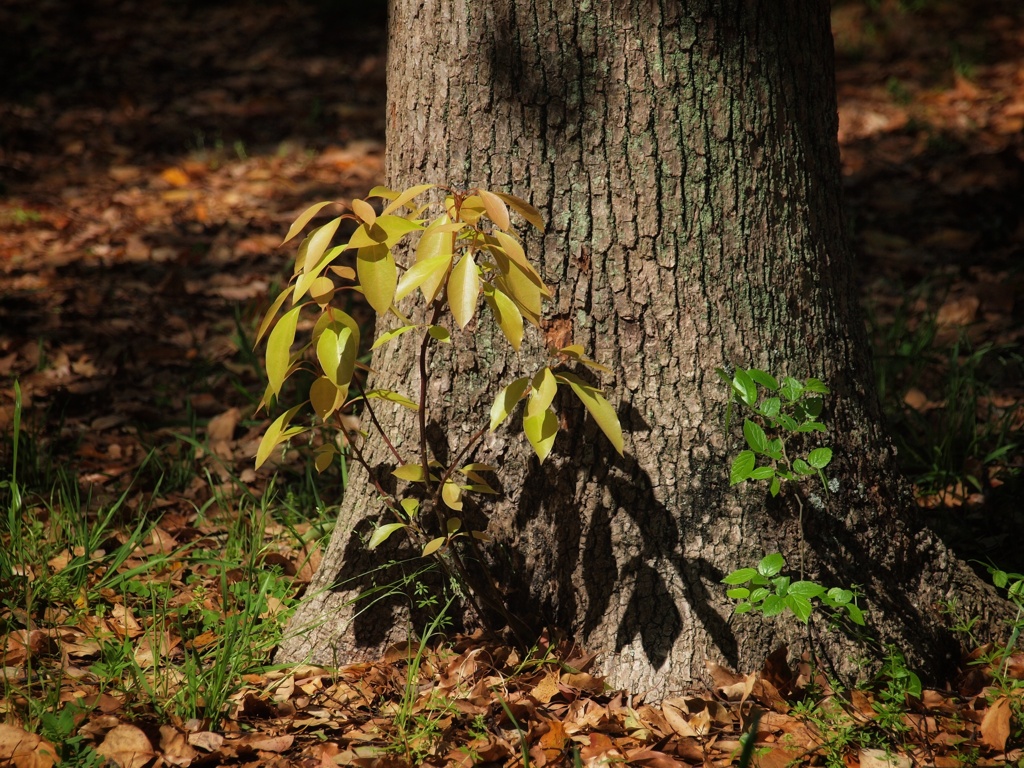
[(685, 156)]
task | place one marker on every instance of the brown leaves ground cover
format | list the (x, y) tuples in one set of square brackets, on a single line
[(151, 158)]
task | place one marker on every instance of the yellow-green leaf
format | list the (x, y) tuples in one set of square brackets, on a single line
[(507, 400), (345, 273), (413, 473), (523, 291), (540, 430), (451, 495), (334, 315), (524, 209), (410, 507), (324, 456), (378, 276), (544, 388), (318, 242), (403, 198), (452, 525), (471, 210), (440, 333), (322, 290), (384, 338), (507, 315), (271, 314), (304, 218), (381, 534), (364, 211), (277, 433), (279, 345), (381, 191), (436, 241), (435, 267), (306, 279), (495, 207), (575, 352), (326, 396), (433, 545), (394, 397), (602, 411), (396, 227), (336, 353), (464, 290)]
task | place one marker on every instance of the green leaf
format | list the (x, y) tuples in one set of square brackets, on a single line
[(740, 576), (464, 290), (855, 613), (800, 606), (811, 426), (381, 534), (764, 379), (787, 422), (759, 594), (755, 436), (410, 506), (745, 387), (791, 389), (776, 486), (770, 407), (540, 430), (819, 458), (771, 564), (378, 276), (816, 385), (433, 545), (801, 467), (602, 411), (742, 466), (840, 596), (277, 433), (524, 209), (304, 218), (738, 593), (279, 345), (507, 400), (434, 269), (774, 449), (762, 473), (806, 589), (773, 605), (743, 608), (384, 338)]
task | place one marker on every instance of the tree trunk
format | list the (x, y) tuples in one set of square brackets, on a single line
[(685, 156)]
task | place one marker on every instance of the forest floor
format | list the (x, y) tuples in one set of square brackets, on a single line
[(151, 158)]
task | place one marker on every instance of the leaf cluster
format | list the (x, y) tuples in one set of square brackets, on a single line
[(765, 589), (790, 407), (466, 254)]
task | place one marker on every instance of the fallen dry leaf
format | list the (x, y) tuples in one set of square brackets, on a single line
[(127, 746)]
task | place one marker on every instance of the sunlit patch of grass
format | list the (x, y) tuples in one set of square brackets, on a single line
[(168, 615)]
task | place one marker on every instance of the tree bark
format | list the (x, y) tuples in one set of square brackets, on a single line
[(685, 156)]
